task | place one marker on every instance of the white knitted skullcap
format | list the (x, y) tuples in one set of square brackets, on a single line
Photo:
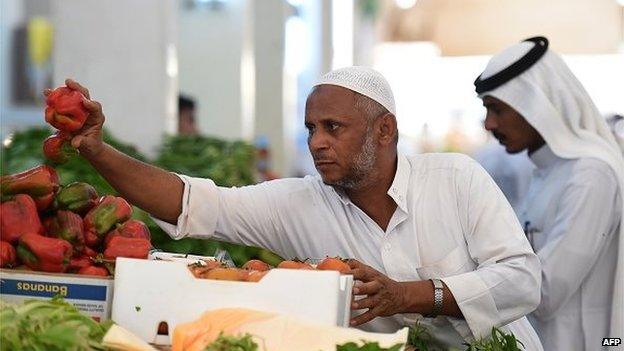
[(363, 80)]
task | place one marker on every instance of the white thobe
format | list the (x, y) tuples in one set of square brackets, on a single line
[(511, 172), (451, 222), (572, 215)]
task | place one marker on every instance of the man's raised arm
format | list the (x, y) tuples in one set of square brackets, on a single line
[(153, 189)]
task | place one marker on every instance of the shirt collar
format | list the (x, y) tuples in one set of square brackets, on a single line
[(399, 187), (341, 195), (543, 157)]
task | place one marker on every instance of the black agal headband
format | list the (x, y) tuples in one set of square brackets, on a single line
[(524, 63)]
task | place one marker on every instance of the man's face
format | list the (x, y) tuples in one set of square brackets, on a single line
[(339, 140), (509, 127)]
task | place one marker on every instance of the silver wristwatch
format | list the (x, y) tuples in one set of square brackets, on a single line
[(438, 298)]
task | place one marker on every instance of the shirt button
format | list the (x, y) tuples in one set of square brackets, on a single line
[(387, 247)]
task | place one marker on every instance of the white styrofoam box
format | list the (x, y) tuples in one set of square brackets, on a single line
[(91, 295), (148, 292)]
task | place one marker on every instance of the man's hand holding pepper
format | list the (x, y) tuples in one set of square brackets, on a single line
[(153, 189), (383, 297), (89, 139)]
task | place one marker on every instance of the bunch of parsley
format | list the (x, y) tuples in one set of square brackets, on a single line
[(49, 325)]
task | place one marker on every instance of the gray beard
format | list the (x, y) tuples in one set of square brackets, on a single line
[(363, 170)]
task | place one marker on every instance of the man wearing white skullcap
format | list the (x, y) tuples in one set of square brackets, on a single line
[(429, 235), (573, 212)]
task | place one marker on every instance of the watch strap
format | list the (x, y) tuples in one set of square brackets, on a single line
[(438, 298)]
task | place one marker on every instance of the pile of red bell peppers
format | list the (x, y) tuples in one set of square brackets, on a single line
[(65, 229), (45, 226)]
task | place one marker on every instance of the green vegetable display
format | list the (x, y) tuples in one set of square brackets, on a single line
[(49, 325), (226, 163), (420, 338), (246, 343)]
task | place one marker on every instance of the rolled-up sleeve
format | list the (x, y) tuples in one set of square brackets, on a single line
[(200, 208), (505, 285)]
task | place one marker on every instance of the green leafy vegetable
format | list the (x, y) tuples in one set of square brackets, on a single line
[(498, 341), (49, 325), (233, 343), (422, 340), (366, 346), (420, 337)]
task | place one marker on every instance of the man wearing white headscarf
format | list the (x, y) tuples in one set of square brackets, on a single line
[(573, 212), (430, 235)]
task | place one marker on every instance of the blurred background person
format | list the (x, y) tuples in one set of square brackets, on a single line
[(186, 116), (264, 171)]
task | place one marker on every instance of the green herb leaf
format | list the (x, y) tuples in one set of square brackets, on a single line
[(233, 343), (498, 341), (366, 346)]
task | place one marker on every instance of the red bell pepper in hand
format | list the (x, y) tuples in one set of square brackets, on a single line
[(94, 270), (129, 229), (109, 211), (76, 197), (120, 246), (7, 255), (41, 183), (17, 217), (67, 225), (65, 110), (57, 147), (44, 254)]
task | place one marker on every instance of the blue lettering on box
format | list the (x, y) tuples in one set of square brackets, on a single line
[(22, 287)]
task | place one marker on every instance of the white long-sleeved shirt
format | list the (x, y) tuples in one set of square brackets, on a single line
[(451, 222), (572, 216)]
